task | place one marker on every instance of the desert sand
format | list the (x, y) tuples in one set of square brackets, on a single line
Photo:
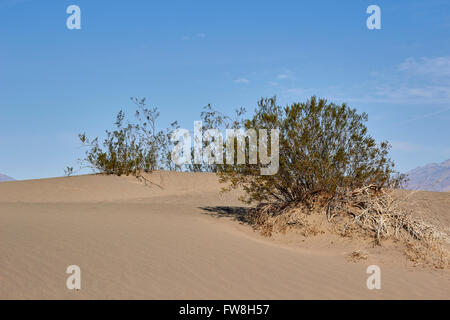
[(179, 238)]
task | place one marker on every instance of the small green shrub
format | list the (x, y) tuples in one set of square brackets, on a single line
[(131, 148)]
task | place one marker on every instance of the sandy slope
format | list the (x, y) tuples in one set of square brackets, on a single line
[(159, 241)]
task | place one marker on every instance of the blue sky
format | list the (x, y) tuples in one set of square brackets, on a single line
[(182, 55)]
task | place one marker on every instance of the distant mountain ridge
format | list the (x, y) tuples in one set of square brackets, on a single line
[(431, 177), (5, 178)]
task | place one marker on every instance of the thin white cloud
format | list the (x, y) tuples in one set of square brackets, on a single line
[(198, 35), (242, 80), (288, 75), (438, 66), (413, 94), (414, 81), (427, 115)]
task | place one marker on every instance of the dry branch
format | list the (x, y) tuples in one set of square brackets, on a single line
[(372, 212)]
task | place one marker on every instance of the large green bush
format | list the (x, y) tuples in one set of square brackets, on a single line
[(324, 149)]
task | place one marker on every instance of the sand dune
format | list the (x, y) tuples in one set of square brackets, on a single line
[(164, 240)]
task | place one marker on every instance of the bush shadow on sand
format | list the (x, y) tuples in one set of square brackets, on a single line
[(240, 214)]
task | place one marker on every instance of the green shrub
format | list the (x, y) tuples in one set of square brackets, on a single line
[(324, 149), (131, 148)]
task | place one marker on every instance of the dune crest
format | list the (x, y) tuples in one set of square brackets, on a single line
[(99, 188)]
